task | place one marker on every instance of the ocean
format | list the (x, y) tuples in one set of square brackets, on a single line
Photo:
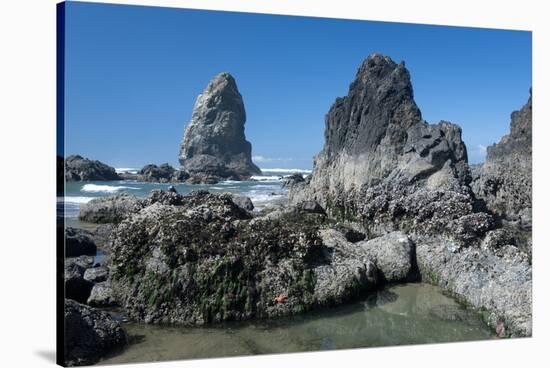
[(264, 190)]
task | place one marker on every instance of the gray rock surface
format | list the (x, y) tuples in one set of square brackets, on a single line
[(393, 255), (102, 295), (153, 173), (108, 209), (498, 283), (89, 334), (79, 242), (214, 142), (504, 181), (96, 274), (78, 168)]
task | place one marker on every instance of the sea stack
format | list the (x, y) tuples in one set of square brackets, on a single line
[(376, 134), (505, 179), (214, 143)]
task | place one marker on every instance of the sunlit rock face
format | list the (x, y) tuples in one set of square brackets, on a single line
[(214, 143)]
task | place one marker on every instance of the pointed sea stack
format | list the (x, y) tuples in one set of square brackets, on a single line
[(214, 144), (505, 178)]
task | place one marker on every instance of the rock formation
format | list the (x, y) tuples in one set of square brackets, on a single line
[(504, 181), (384, 169), (78, 168), (376, 134), (89, 334), (214, 143)]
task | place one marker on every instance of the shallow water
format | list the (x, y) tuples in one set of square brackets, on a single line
[(398, 315)]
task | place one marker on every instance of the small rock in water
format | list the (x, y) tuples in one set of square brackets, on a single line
[(172, 189)]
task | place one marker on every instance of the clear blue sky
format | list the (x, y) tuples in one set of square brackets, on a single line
[(133, 73)]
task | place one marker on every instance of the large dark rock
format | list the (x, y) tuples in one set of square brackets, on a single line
[(89, 334), (214, 143), (208, 260), (76, 287), (79, 242), (504, 181), (376, 135), (78, 168), (153, 173)]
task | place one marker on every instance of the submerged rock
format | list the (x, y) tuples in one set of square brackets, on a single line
[(78, 242), (89, 334), (78, 168), (214, 142), (504, 181)]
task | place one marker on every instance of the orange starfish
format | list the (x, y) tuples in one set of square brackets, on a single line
[(281, 298)]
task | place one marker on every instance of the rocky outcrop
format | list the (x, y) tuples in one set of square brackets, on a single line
[(383, 169), (214, 143), (102, 295), (376, 135), (504, 181), (89, 334), (153, 173), (208, 260), (79, 242), (108, 209), (78, 168), (76, 286), (499, 283)]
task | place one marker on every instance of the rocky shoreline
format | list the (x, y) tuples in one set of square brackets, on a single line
[(391, 199)]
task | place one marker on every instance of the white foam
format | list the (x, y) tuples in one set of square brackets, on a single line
[(130, 170), (94, 188), (70, 199), (287, 170), (265, 178)]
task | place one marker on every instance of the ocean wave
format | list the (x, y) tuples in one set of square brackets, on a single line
[(94, 188), (71, 199), (130, 170), (287, 170), (265, 178)]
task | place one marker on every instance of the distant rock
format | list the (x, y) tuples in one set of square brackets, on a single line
[(504, 181), (78, 168), (153, 173), (89, 334), (79, 242), (214, 143)]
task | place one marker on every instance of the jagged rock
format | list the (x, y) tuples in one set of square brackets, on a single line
[(102, 295), (214, 143), (504, 181), (89, 334), (108, 209), (375, 136), (96, 274), (78, 168), (78, 242)]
